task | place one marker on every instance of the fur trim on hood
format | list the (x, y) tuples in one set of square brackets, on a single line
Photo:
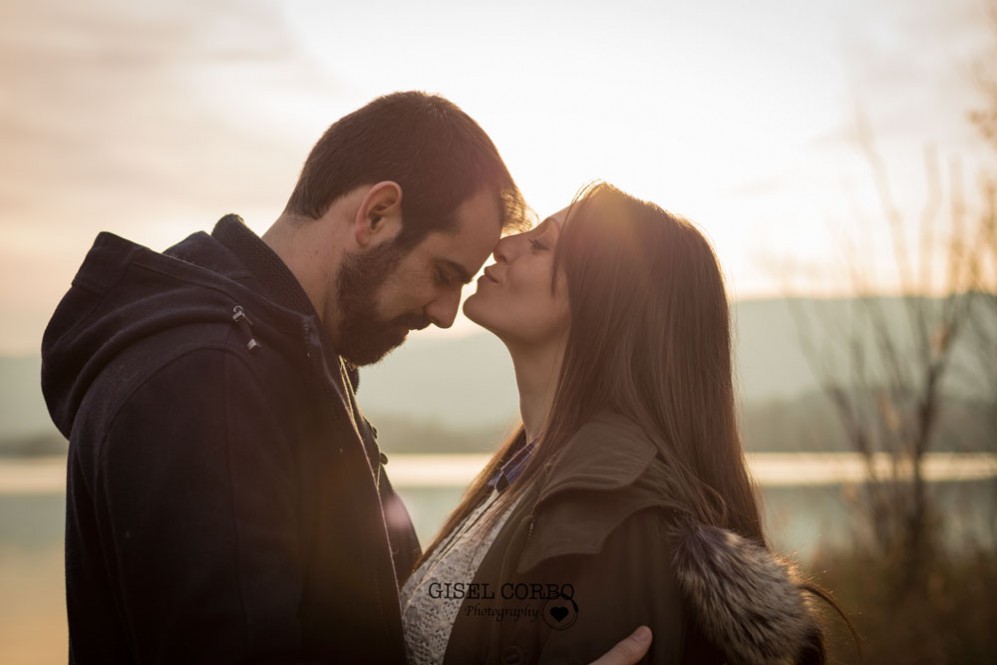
[(747, 600)]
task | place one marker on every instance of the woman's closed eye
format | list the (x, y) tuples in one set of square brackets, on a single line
[(544, 236)]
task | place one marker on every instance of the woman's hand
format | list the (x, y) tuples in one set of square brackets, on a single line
[(630, 650)]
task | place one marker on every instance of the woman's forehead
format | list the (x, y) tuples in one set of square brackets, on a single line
[(554, 222), (559, 217)]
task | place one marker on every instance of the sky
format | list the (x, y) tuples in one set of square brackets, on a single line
[(154, 119)]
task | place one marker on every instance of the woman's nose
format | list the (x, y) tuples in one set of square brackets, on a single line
[(503, 250)]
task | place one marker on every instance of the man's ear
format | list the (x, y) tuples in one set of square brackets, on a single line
[(379, 216)]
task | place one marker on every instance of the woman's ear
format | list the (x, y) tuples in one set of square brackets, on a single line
[(379, 216)]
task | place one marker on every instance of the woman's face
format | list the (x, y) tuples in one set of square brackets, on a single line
[(514, 298)]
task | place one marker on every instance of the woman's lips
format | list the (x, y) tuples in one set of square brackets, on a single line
[(489, 276)]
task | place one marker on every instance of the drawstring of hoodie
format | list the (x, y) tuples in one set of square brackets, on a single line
[(243, 321)]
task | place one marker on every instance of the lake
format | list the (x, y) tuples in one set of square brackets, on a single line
[(809, 502)]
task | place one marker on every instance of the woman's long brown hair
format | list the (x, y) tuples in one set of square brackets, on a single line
[(649, 339)]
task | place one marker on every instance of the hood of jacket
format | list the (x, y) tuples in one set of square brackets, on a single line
[(746, 598), (124, 293)]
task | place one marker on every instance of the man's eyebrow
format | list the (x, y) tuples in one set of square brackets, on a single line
[(457, 268)]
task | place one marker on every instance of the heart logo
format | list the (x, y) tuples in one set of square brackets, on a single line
[(560, 612)]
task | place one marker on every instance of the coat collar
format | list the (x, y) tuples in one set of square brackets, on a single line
[(609, 452), (606, 472), (269, 270)]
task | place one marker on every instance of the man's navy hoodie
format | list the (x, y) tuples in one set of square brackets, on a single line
[(225, 497)]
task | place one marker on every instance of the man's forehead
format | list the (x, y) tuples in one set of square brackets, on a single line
[(478, 228), (464, 248)]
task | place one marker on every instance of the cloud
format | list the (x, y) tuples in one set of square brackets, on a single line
[(113, 107), (910, 67), (144, 118)]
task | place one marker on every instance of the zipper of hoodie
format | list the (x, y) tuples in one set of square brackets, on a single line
[(311, 355)]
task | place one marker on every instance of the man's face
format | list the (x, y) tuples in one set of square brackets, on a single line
[(384, 292)]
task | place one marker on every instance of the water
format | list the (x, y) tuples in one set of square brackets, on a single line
[(809, 502), (32, 590)]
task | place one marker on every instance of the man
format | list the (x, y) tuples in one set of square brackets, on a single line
[(226, 500)]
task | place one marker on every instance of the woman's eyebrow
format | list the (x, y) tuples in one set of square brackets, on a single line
[(546, 224)]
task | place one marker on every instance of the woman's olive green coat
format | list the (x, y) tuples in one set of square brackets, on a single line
[(596, 548)]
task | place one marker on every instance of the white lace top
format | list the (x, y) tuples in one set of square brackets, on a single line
[(427, 621)]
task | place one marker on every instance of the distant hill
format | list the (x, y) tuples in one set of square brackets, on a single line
[(460, 394), (469, 381)]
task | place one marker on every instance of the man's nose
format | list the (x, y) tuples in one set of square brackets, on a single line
[(443, 310)]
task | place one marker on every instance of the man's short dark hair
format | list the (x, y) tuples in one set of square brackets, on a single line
[(437, 154)]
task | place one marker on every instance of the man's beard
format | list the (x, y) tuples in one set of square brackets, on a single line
[(363, 337)]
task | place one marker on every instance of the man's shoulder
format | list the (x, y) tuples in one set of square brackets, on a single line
[(191, 392), (164, 370)]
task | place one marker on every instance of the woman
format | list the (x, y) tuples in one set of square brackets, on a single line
[(624, 498)]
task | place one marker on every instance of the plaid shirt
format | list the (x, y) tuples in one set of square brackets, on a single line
[(510, 470)]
